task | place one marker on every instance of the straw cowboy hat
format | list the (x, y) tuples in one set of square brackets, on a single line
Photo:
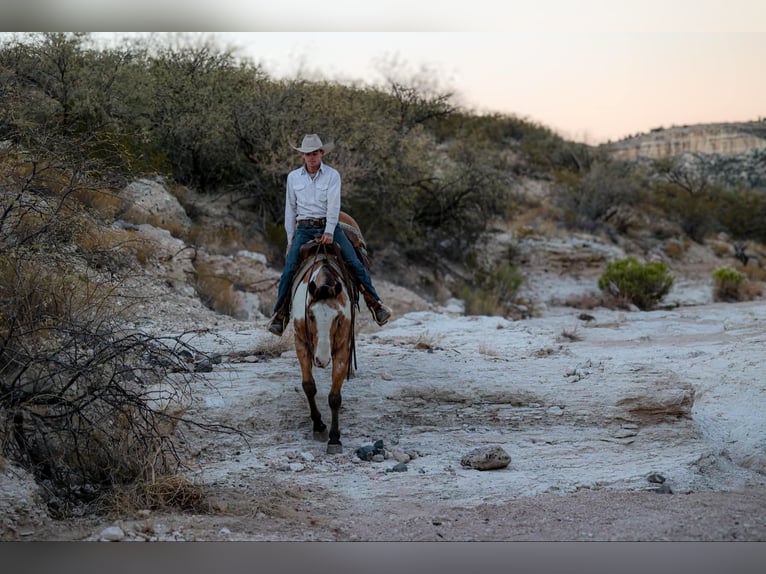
[(311, 142)]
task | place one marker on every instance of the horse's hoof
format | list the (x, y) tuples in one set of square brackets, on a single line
[(334, 448)]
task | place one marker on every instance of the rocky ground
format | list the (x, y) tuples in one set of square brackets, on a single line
[(619, 426)]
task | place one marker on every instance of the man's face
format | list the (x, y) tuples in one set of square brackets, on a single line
[(313, 159)]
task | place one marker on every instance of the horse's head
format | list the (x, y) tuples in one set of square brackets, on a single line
[(324, 284), (322, 314)]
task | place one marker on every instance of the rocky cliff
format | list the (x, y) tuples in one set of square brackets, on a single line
[(724, 139)]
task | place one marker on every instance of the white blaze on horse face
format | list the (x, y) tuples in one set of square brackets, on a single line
[(324, 315)]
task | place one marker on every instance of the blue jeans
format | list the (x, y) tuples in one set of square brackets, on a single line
[(304, 234)]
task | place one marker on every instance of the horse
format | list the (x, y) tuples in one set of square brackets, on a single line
[(324, 302)]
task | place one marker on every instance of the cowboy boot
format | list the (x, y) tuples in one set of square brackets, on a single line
[(380, 312), (278, 321)]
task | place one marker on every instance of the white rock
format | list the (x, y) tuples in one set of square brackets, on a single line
[(111, 534), (486, 458)]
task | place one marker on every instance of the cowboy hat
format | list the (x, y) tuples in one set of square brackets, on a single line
[(311, 142)]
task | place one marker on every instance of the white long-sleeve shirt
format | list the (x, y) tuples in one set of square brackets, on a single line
[(307, 198)]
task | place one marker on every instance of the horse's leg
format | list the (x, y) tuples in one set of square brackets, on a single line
[(339, 371), (310, 388)]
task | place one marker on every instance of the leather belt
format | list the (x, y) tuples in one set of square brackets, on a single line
[(312, 222)]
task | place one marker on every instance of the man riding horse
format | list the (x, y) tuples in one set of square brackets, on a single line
[(312, 207)]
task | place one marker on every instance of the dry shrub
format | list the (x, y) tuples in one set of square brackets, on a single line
[(220, 240), (216, 292), (139, 216), (753, 272), (105, 201), (593, 300), (587, 301), (113, 248), (570, 335), (493, 293), (730, 284), (676, 248), (720, 248), (162, 493)]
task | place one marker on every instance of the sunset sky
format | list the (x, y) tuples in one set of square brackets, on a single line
[(592, 70)]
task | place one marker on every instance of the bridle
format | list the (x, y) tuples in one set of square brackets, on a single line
[(330, 258)]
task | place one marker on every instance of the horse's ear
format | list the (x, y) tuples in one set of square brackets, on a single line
[(312, 288), (338, 288)]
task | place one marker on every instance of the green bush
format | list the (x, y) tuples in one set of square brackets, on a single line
[(727, 284), (643, 284)]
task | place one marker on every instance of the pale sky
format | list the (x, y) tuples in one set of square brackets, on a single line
[(592, 70)]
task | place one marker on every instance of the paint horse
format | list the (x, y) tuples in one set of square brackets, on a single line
[(324, 302)]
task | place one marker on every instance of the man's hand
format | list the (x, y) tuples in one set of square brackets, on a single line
[(326, 238)]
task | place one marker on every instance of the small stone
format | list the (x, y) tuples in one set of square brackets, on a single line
[(203, 366), (655, 478), (662, 489), (387, 376), (378, 457), (401, 467), (365, 452), (400, 456), (486, 458)]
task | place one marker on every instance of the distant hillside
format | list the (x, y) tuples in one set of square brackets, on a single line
[(724, 139)]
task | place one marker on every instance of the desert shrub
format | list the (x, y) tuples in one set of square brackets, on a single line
[(732, 285), (676, 248), (493, 293), (643, 284), (220, 239), (727, 283), (87, 404), (166, 491), (215, 291), (589, 199)]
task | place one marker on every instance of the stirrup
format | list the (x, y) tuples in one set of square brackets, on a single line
[(277, 324), (380, 313)]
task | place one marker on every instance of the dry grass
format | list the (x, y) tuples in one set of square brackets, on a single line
[(488, 350), (570, 335), (426, 342), (677, 248), (139, 216), (734, 284), (222, 240), (754, 272), (594, 300), (164, 492), (216, 291), (104, 201), (720, 248)]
